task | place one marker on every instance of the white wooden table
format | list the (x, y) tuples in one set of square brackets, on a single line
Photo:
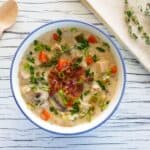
[(128, 128)]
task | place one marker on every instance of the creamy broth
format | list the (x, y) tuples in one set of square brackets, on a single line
[(68, 76)]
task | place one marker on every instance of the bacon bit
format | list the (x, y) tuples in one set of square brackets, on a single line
[(55, 36), (79, 72), (70, 103), (62, 63), (55, 84), (114, 69), (71, 83), (89, 60), (45, 115), (43, 58), (92, 39)]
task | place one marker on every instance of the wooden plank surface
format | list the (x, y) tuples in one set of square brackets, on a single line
[(128, 128)]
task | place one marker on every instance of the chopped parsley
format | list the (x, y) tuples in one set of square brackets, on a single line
[(35, 42), (65, 47), (82, 42), (30, 59), (89, 73), (54, 110), (39, 46), (83, 45), (77, 62), (33, 80), (95, 58), (73, 29), (101, 84), (81, 96), (59, 32), (105, 44), (63, 96), (38, 79), (103, 105), (90, 113), (100, 49), (53, 60), (29, 68), (75, 108), (86, 93), (79, 38)]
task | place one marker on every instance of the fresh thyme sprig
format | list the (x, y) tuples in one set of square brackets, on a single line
[(132, 21)]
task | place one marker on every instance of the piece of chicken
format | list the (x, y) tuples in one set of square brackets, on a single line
[(100, 66)]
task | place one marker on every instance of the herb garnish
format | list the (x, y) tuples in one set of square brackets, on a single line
[(65, 48), (73, 29), (132, 22), (35, 77), (29, 68), (147, 10), (90, 113), (75, 108), (105, 44), (57, 55), (101, 84), (86, 93), (100, 49), (77, 62), (83, 45), (79, 38), (81, 96), (54, 110), (82, 42), (53, 60), (103, 104), (38, 46), (30, 59), (63, 96), (88, 73), (95, 58), (59, 32), (33, 80)]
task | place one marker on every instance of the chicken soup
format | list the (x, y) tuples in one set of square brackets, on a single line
[(68, 76)]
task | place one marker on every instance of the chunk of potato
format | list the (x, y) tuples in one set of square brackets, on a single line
[(100, 66)]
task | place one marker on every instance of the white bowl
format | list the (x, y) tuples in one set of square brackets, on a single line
[(14, 81)]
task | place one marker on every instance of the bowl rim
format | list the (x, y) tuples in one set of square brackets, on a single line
[(120, 59)]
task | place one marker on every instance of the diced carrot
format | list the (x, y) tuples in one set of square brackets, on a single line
[(69, 103), (43, 58), (62, 63), (55, 36), (114, 69), (45, 115), (89, 60), (92, 39)]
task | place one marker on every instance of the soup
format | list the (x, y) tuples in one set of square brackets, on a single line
[(68, 76)]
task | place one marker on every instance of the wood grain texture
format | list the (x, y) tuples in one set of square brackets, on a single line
[(128, 128)]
